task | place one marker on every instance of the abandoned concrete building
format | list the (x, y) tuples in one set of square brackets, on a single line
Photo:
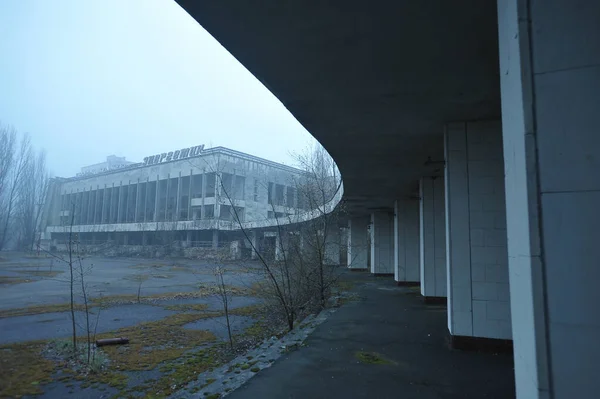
[(195, 197)]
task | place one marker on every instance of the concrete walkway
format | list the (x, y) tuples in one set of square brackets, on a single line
[(394, 322)]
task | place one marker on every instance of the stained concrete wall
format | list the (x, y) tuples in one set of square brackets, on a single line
[(358, 249), (477, 258), (406, 241), (550, 85), (382, 243), (433, 237)]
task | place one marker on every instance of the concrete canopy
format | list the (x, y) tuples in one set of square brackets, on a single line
[(374, 82)]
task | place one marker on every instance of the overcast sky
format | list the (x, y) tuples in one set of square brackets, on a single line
[(90, 78)]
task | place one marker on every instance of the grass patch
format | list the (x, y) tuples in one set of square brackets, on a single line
[(178, 373), (344, 285), (40, 309), (39, 273), (13, 280), (155, 342), (372, 358), (23, 370), (192, 307)]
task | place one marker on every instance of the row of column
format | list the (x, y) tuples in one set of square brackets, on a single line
[(452, 238), (97, 206), (455, 241)]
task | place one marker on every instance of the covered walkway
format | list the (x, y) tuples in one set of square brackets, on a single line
[(412, 339)]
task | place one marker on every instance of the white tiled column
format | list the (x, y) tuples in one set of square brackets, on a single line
[(382, 237), (433, 238), (406, 241), (358, 249), (477, 260), (550, 86)]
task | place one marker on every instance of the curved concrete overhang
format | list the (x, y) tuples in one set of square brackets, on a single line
[(374, 82), (223, 225)]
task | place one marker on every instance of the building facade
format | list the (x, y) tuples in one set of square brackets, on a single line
[(192, 195)]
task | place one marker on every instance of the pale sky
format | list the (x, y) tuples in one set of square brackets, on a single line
[(90, 78)]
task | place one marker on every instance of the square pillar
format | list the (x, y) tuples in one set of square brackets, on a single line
[(477, 258), (254, 246), (215, 239), (550, 97), (358, 245), (382, 246), (280, 243), (406, 242), (433, 240), (332, 245)]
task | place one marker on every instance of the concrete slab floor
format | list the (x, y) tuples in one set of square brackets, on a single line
[(411, 338)]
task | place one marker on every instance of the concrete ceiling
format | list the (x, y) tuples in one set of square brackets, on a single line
[(374, 81)]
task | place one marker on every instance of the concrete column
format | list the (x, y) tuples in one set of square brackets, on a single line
[(146, 198), (103, 211), (156, 202), (254, 240), (111, 209), (332, 245), (280, 246), (202, 212), (97, 195), (167, 197), (77, 207), (137, 201), (382, 246), (188, 239), (407, 257), (178, 198), (215, 239), (476, 254), (144, 238), (119, 210), (90, 208), (433, 239), (358, 246), (217, 196), (550, 86), (189, 212), (125, 239)]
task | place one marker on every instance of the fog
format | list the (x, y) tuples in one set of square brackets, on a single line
[(87, 79)]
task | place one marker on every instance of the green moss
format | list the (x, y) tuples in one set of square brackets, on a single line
[(371, 358), (245, 366), (213, 396), (23, 370), (255, 369)]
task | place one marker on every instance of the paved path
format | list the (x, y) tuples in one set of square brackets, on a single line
[(394, 322)]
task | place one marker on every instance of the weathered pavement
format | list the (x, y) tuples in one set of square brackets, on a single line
[(393, 322)]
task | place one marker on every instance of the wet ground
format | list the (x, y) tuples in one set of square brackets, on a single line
[(30, 281), (122, 293)]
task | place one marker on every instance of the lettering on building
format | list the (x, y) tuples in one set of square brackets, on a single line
[(174, 155)]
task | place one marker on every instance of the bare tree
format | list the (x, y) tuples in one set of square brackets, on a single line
[(225, 299), (32, 194), (11, 178)]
